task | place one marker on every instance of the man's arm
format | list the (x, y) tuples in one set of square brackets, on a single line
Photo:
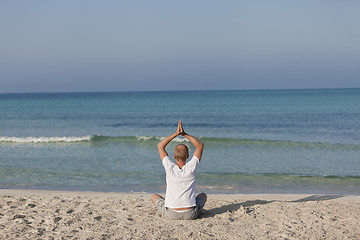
[(198, 145), (196, 142), (165, 141)]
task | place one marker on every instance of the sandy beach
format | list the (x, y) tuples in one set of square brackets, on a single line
[(28, 214)]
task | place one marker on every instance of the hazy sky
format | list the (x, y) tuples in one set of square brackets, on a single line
[(70, 45)]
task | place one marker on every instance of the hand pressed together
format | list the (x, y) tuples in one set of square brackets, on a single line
[(180, 129)]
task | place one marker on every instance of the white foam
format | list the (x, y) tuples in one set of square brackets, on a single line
[(44, 139), (180, 140), (144, 138)]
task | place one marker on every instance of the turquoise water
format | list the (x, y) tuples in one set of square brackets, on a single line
[(293, 141)]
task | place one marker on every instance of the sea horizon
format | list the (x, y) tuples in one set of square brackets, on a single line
[(184, 90)]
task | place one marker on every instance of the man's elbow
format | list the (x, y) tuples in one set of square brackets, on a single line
[(160, 146)]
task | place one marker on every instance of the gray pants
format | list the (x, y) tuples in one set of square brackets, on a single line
[(169, 213)]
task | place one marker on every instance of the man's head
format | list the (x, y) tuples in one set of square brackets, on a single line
[(181, 152)]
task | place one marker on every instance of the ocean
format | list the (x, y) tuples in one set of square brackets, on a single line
[(259, 141)]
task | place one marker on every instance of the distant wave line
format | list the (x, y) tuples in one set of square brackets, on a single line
[(152, 139), (44, 139)]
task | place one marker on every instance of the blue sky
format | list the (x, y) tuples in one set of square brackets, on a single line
[(57, 46)]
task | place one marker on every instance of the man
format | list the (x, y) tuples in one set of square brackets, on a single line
[(180, 201)]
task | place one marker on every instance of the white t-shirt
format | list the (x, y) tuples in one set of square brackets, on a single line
[(180, 183)]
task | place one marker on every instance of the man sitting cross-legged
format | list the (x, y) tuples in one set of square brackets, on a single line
[(180, 201)]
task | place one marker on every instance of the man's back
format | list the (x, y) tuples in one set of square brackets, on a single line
[(180, 183)]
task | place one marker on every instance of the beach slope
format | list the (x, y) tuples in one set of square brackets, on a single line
[(27, 214)]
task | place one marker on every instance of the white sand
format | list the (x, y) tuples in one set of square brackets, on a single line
[(26, 214)]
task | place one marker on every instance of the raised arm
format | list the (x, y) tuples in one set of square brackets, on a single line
[(165, 142), (196, 142)]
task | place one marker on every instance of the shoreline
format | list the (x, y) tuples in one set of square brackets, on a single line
[(208, 189), (217, 196), (34, 214)]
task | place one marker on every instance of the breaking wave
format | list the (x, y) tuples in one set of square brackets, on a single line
[(154, 139), (44, 139)]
